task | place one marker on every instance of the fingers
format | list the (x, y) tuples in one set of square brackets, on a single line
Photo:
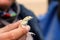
[(16, 33), (10, 27)]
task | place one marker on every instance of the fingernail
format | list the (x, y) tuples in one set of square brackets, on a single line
[(26, 27)]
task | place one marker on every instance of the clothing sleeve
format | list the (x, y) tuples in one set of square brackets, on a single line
[(33, 23)]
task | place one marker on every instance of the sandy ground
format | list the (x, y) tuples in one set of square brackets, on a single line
[(39, 7)]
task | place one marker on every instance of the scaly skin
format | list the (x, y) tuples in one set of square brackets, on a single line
[(25, 20)]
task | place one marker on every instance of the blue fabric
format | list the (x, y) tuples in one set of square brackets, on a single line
[(54, 0), (50, 24)]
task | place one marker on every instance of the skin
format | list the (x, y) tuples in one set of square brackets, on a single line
[(5, 4)]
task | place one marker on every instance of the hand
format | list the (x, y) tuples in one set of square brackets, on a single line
[(13, 31)]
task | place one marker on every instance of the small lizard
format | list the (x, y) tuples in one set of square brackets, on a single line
[(25, 20)]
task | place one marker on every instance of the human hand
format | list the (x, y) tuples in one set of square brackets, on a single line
[(13, 32)]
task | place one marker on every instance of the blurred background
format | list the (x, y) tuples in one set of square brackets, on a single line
[(39, 7)]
